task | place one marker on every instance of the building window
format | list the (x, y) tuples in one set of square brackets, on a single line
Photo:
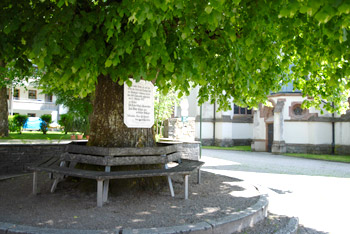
[(48, 98), (16, 94), (31, 115), (32, 94), (237, 110), (298, 111)]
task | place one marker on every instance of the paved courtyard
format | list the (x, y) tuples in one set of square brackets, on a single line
[(317, 192)]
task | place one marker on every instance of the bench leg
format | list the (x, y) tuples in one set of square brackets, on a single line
[(186, 186), (171, 187), (58, 178), (99, 193), (54, 184), (35, 183), (169, 181), (106, 186), (199, 176)]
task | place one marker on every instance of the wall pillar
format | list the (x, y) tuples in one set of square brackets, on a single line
[(279, 145)]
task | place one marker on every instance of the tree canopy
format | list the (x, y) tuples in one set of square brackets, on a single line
[(241, 49)]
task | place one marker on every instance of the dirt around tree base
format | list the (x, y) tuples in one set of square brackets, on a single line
[(71, 208)]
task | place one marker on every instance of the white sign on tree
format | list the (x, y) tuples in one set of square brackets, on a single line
[(139, 104)]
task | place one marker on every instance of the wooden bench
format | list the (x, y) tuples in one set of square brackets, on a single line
[(65, 166)]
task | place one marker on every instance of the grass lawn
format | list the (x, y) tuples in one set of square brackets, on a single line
[(335, 158), (237, 148), (36, 135)]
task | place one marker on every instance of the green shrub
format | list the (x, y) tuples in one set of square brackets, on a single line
[(19, 121), (67, 122), (46, 120), (12, 125)]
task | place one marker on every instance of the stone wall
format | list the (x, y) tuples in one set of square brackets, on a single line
[(14, 157), (189, 150), (175, 129), (318, 149), (225, 142)]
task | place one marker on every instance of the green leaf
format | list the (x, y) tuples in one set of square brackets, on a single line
[(344, 8), (208, 9), (283, 13), (128, 83), (60, 3), (83, 73), (108, 63), (74, 70), (325, 14), (236, 1), (170, 66)]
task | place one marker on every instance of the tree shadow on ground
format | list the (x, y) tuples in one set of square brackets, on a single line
[(69, 207)]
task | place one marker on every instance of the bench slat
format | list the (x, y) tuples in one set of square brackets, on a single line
[(84, 158), (47, 162), (185, 168), (124, 151), (142, 160), (116, 161)]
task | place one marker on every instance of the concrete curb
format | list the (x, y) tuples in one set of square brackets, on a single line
[(8, 228), (246, 218), (291, 227), (231, 223)]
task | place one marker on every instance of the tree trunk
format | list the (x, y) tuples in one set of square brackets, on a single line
[(4, 128), (107, 128)]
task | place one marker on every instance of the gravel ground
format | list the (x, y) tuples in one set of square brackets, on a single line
[(72, 208)]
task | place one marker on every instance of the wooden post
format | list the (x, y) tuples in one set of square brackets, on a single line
[(35, 183), (99, 193), (186, 186)]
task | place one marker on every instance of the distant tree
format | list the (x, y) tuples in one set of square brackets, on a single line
[(14, 43), (46, 120), (11, 76), (164, 108), (66, 121)]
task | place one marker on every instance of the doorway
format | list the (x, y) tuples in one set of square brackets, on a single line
[(269, 137)]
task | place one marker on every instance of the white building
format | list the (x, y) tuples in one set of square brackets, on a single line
[(285, 127), (222, 128), (28, 100)]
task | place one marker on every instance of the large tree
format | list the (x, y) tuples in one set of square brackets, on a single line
[(232, 49)]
